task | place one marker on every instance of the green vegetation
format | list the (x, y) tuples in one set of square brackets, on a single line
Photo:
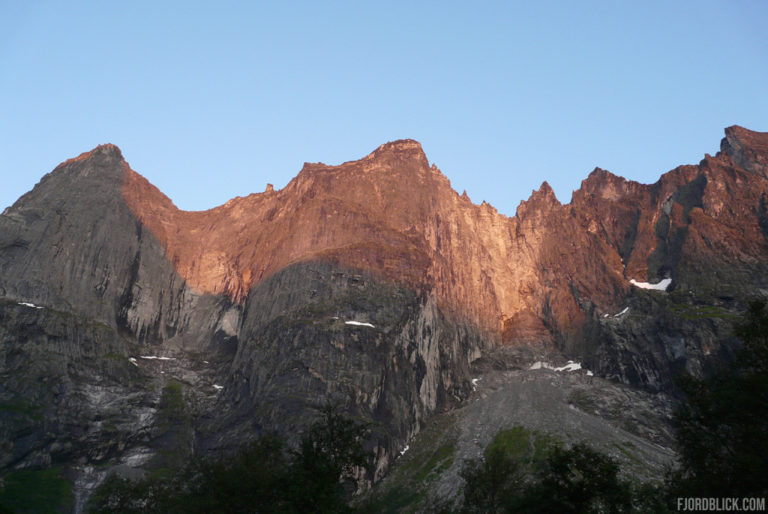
[(699, 312), (529, 447), (174, 444), (722, 436), (430, 453), (498, 482), (723, 426), (172, 400), (578, 479), (438, 462), (624, 448), (263, 477), (397, 499), (39, 491)]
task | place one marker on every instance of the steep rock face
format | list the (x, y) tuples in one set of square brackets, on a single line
[(315, 332), (392, 214), (548, 273), (72, 244), (248, 303), (138, 333)]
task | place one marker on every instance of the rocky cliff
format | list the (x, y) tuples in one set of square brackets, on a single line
[(131, 330)]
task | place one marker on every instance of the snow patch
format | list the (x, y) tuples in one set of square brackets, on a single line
[(407, 447), (618, 314), (358, 324), (132, 360), (26, 304), (156, 357), (590, 374), (570, 366), (474, 383), (661, 286), (217, 386)]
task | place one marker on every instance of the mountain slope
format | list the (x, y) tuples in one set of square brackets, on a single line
[(371, 283), (547, 274)]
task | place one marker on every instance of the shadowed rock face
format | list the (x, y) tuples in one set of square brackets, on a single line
[(250, 301)]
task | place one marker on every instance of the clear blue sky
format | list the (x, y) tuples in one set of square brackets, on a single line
[(211, 101)]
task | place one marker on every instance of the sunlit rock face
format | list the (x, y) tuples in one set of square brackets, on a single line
[(394, 215), (371, 283), (524, 278)]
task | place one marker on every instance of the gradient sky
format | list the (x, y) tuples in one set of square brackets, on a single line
[(211, 101)]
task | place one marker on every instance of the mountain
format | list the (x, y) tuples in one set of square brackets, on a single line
[(134, 335)]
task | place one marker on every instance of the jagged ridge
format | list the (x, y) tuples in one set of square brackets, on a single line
[(393, 214), (253, 296)]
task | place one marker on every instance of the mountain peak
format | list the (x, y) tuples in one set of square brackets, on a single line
[(747, 148), (400, 145), (544, 194), (107, 151), (401, 150), (599, 173), (605, 184), (541, 199)]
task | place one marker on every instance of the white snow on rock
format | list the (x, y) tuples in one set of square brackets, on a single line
[(474, 383), (26, 304), (132, 360), (358, 324), (590, 374), (661, 286), (217, 386), (618, 314), (570, 366), (407, 447), (156, 357)]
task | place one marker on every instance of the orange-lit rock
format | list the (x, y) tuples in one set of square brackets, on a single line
[(522, 278)]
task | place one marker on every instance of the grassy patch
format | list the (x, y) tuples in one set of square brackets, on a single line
[(431, 453), (514, 442), (529, 447), (698, 312), (173, 419), (624, 448), (438, 462), (395, 500), (172, 412), (40, 491)]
